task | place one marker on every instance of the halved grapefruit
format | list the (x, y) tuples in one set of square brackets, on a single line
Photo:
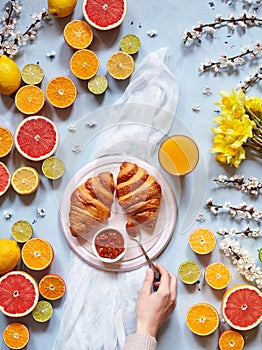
[(18, 294), (5, 178), (104, 14), (242, 306), (36, 138)]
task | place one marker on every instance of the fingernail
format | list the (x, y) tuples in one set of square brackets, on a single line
[(149, 272)]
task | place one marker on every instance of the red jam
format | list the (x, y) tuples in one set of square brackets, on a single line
[(109, 244)]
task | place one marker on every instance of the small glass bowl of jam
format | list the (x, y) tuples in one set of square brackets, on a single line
[(109, 245)]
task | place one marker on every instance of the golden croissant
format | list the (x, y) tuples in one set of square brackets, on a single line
[(91, 203), (138, 193)]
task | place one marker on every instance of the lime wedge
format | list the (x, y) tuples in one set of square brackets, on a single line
[(189, 272), (43, 311), (260, 254), (22, 231), (130, 44), (32, 74), (53, 168), (97, 85)]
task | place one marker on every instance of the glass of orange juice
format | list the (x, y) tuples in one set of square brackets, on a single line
[(178, 155)]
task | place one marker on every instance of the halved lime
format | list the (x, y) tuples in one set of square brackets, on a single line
[(98, 84), (260, 254), (53, 168), (43, 311), (32, 74), (189, 272), (130, 44), (22, 231)]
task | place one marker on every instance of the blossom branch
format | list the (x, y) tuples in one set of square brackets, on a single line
[(251, 186), (245, 232)]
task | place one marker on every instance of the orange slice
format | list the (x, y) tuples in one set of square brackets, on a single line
[(231, 340), (29, 99), (120, 65), (78, 34), (52, 287), (61, 92), (25, 180), (16, 335), (6, 141), (217, 275), (84, 64), (37, 254), (202, 241), (202, 319)]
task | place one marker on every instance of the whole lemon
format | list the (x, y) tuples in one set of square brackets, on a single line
[(61, 8), (10, 76), (9, 255)]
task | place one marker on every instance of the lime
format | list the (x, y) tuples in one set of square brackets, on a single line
[(189, 272), (22, 231), (130, 44), (43, 311), (260, 254), (32, 74), (53, 168), (97, 85)]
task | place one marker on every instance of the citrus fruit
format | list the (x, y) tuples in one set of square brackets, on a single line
[(52, 287), (97, 85), (10, 76), (18, 294), (36, 138), (9, 255), (22, 231), (29, 99), (53, 168), (61, 8), (78, 34), (6, 141), (217, 275), (25, 180), (260, 254), (231, 340), (84, 64), (37, 254), (130, 44), (202, 319), (61, 92), (16, 335), (120, 65), (43, 311), (5, 178), (242, 306), (202, 241), (32, 74), (189, 272), (104, 15)]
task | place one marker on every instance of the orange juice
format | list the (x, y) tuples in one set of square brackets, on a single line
[(178, 155)]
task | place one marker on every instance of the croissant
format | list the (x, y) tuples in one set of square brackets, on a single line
[(91, 203), (138, 193)]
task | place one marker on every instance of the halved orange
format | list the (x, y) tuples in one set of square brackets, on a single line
[(37, 254), (6, 141), (29, 99), (25, 180), (16, 335), (202, 319), (217, 275), (52, 286), (84, 64), (120, 65), (78, 34), (202, 241), (61, 92), (231, 340)]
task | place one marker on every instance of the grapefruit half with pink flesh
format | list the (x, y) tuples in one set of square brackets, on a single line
[(242, 307), (36, 138), (18, 294), (104, 14), (5, 178)]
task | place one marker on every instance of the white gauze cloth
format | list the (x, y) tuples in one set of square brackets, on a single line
[(99, 307)]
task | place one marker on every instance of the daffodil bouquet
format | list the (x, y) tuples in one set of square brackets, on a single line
[(239, 126)]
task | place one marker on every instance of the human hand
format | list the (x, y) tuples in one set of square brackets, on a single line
[(152, 309)]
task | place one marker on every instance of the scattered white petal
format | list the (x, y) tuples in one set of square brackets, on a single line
[(51, 54), (151, 32), (196, 107), (7, 215), (207, 91), (201, 217), (76, 148), (71, 127), (90, 124), (41, 212)]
